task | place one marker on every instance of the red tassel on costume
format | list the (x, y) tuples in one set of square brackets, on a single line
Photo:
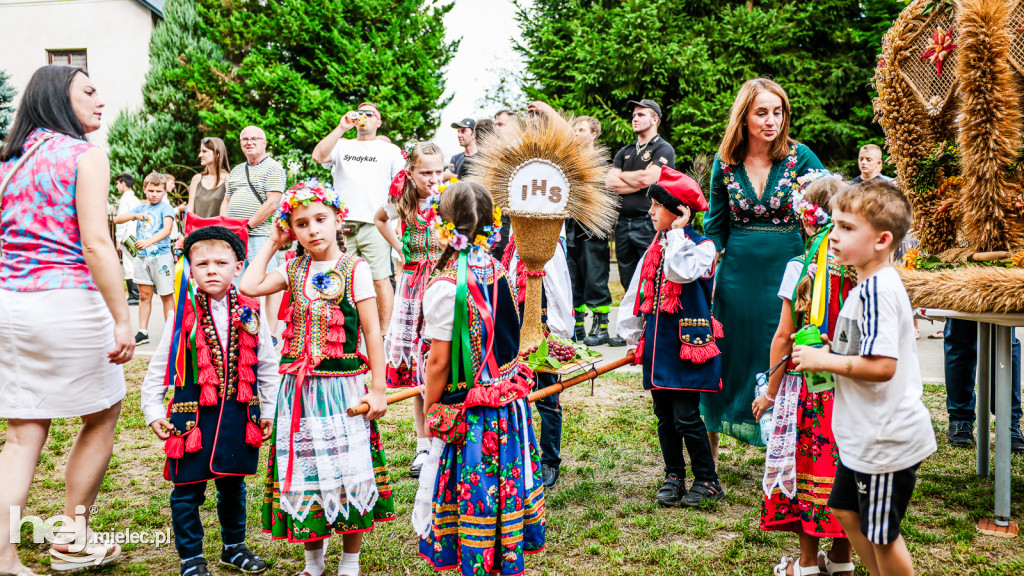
[(651, 261), (648, 274), (194, 442), (716, 328), (249, 303), (253, 434), (521, 275), (208, 395), (246, 375), (174, 447), (334, 349), (336, 335), (188, 320), (510, 249), (246, 356), (638, 356), (698, 353), (647, 306), (207, 376), (670, 297), (203, 356), (244, 389), (337, 317)]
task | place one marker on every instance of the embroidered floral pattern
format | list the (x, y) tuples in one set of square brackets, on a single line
[(774, 205)]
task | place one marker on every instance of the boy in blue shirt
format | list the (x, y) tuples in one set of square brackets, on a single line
[(154, 266)]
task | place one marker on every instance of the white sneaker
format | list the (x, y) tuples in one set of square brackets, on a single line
[(417, 463)]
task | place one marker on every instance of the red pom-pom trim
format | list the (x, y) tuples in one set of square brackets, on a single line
[(245, 390), (194, 440), (174, 447), (188, 320), (253, 434), (670, 297), (208, 376), (337, 318), (716, 328), (208, 395), (698, 354)]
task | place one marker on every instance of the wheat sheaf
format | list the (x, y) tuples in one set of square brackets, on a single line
[(551, 140)]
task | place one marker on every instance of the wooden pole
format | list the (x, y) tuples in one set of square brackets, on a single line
[(588, 375), (534, 396), (363, 407)]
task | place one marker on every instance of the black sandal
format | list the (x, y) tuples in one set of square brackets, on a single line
[(671, 491), (195, 567), (241, 558)]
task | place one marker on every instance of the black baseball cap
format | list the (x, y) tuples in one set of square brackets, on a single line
[(645, 103), (465, 123)]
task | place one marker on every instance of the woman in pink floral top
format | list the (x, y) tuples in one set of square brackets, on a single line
[(752, 219), (64, 325)]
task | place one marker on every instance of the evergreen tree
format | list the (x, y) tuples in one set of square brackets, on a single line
[(164, 135), (291, 67), (591, 56), (7, 94), (301, 65)]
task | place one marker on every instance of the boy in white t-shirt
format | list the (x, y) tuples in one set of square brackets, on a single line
[(881, 425)]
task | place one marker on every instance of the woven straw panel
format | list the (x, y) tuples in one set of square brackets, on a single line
[(1017, 46), (933, 92)]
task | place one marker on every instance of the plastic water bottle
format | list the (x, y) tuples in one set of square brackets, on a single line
[(810, 335), (767, 422)]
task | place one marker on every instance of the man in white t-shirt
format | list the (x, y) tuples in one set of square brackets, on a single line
[(363, 170), (882, 427)]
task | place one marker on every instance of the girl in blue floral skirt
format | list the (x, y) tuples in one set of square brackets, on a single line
[(484, 508)]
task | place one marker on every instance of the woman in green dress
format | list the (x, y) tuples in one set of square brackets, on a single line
[(752, 220)]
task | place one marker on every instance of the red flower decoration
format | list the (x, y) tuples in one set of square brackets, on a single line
[(491, 443), (941, 46)]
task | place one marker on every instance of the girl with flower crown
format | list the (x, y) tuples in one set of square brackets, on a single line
[(480, 504), (409, 201), (327, 472), (802, 452)]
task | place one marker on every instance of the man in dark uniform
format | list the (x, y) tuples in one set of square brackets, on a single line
[(637, 166), (458, 167), (589, 261)]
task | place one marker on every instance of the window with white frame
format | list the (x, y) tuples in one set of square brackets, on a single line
[(75, 58)]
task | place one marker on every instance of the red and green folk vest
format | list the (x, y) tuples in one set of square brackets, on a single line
[(418, 243), (326, 327), (513, 379), (678, 348), (216, 412)]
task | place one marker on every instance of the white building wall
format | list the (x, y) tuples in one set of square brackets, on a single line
[(114, 33)]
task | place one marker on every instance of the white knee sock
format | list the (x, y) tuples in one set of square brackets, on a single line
[(423, 444), (349, 565), (315, 561)]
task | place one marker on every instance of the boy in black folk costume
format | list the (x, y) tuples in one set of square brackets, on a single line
[(666, 313), (227, 378)]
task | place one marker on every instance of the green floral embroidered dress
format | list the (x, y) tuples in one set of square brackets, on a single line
[(759, 235)]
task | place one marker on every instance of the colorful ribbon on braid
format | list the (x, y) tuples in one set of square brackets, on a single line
[(818, 253), (468, 292), (183, 341)]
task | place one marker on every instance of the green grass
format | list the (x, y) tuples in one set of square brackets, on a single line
[(601, 516)]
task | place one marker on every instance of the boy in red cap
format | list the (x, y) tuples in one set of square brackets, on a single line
[(666, 313)]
